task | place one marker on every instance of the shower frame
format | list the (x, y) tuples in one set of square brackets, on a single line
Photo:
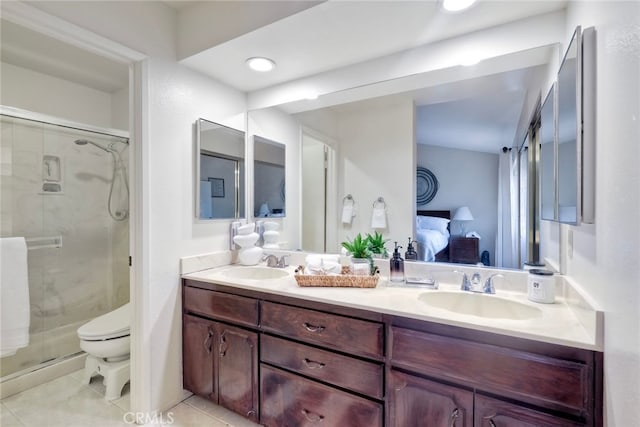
[(50, 369)]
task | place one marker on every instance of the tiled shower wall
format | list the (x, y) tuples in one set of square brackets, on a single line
[(87, 276)]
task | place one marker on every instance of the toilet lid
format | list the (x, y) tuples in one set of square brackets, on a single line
[(114, 324)]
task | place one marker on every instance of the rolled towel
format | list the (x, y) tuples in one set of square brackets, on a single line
[(324, 267), (316, 258)]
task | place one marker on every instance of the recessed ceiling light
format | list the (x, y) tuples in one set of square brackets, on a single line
[(258, 63), (457, 5)]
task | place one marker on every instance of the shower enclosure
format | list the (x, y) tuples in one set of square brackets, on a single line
[(65, 190)]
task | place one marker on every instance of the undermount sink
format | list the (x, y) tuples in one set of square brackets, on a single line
[(255, 273), (480, 305)]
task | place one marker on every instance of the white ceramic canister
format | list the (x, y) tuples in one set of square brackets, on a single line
[(541, 286)]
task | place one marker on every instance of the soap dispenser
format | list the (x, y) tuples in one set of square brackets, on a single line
[(411, 254), (396, 266)]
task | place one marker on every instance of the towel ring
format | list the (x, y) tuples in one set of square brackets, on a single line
[(381, 201), (348, 198)]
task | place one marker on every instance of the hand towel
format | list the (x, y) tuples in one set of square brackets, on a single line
[(347, 214), (14, 290), (316, 259), (379, 218)]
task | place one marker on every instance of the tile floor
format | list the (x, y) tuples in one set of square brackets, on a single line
[(66, 402)]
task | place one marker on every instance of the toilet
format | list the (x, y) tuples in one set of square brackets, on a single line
[(107, 343)]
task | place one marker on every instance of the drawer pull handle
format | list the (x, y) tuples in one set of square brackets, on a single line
[(313, 328), (454, 416), (492, 424), (312, 364), (311, 417), (208, 341)]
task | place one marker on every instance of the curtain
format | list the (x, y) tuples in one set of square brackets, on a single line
[(507, 245)]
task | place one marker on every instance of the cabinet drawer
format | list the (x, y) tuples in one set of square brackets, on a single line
[(290, 400), (342, 333), (237, 309), (344, 371), (496, 413), (541, 380)]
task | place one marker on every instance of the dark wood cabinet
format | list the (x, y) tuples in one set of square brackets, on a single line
[(220, 361), (417, 402), (238, 370), (464, 250), (198, 338), (289, 362)]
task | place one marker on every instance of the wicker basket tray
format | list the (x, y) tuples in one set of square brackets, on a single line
[(339, 280)]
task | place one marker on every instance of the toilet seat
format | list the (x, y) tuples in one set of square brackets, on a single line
[(112, 325)]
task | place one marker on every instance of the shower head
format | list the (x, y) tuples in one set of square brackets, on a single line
[(86, 141)]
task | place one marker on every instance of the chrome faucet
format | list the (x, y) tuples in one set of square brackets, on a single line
[(466, 284), (273, 261), (488, 287), (473, 284)]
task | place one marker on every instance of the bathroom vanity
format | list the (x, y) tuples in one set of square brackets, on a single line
[(285, 356)]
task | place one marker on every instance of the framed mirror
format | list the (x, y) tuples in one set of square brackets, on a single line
[(569, 133), (269, 189), (548, 210), (220, 171)]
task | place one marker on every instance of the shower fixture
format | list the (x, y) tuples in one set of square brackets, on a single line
[(118, 166)]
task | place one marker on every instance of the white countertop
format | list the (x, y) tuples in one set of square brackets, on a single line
[(561, 323)]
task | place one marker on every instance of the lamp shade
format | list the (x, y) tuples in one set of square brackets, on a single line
[(463, 214)]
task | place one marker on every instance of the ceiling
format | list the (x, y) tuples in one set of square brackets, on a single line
[(337, 34)]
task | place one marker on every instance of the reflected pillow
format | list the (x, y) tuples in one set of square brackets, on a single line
[(432, 223)]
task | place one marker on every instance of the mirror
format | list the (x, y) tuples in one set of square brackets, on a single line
[(268, 178), (548, 158), (569, 139), (220, 171), (457, 129)]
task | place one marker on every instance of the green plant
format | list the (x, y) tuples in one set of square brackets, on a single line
[(358, 247), (376, 244)]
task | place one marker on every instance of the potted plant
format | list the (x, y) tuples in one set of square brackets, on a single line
[(376, 245), (361, 261)]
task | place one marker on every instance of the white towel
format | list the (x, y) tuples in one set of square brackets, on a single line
[(316, 259), (379, 218), (14, 289), (347, 214)]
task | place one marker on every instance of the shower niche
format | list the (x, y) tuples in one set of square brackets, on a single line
[(51, 174)]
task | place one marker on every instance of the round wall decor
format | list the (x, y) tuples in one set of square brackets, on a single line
[(427, 186)]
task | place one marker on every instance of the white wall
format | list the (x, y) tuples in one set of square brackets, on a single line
[(604, 259), (42, 93), (466, 178), (376, 158)]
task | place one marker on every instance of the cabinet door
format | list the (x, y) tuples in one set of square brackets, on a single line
[(238, 370), (416, 402), (198, 341), (496, 413)]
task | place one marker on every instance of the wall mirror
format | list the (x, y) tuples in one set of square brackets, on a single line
[(569, 139), (575, 165), (548, 165), (220, 171), (456, 129), (269, 190)]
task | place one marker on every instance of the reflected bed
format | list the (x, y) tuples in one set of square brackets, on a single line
[(433, 235)]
